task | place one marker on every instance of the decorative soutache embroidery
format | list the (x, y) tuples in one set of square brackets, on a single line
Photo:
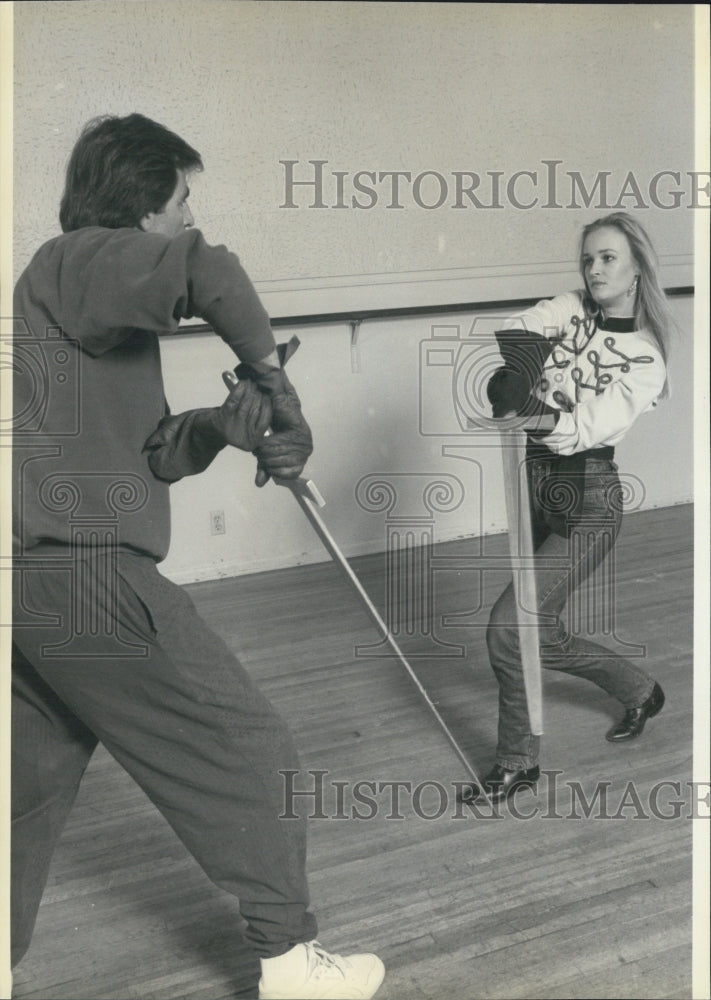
[(599, 375), (627, 362), (566, 405), (583, 330)]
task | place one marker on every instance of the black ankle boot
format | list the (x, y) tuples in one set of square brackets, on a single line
[(500, 783), (634, 718)]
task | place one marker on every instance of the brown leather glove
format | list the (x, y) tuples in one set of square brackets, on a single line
[(244, 417), (285, 451), (510, 387), (185, 444)]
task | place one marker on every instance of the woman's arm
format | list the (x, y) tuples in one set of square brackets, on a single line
[(549, 317), (604, 418)]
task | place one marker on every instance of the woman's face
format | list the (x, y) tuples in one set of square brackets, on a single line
[(610, 270)]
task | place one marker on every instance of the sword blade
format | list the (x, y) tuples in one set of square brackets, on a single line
[(309, 499), (513, 456)]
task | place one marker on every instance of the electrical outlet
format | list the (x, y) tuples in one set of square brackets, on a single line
[(217, 522)]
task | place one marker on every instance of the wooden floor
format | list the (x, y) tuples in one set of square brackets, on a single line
[(458, 906)]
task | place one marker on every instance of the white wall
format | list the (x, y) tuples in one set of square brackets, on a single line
[(386, 86), (486, 87), (368, 422)]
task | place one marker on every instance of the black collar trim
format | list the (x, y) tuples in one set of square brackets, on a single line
[(617, 324)]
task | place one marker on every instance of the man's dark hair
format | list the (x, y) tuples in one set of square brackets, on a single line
[(120, 170)]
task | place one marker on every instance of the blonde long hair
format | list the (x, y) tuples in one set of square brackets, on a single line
[(651, 310)]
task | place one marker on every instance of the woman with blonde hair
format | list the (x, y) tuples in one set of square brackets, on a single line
[(590, 362)]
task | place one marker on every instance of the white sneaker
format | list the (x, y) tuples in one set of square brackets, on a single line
[(307, 972)]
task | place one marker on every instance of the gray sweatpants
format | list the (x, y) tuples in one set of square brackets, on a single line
[(106, 649)]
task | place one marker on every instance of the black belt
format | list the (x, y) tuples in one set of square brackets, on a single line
[(537, 450), (570, 470)]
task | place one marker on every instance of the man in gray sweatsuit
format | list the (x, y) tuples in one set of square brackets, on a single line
[(104, 647)]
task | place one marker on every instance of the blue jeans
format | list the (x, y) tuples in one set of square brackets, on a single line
[(575, 521)]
